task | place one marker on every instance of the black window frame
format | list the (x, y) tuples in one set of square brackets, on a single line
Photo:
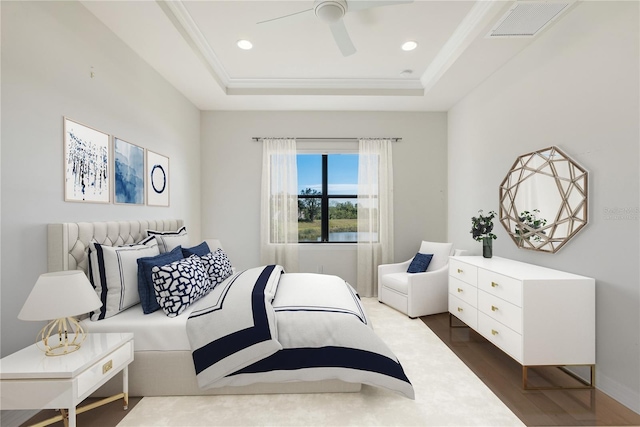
[(324, 202)]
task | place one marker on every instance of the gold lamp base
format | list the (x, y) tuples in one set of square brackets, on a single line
[(61, 344)]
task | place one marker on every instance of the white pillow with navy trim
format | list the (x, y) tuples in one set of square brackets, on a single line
[(113, 272), (168, 240)]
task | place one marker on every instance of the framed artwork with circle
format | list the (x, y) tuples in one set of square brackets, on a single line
[(157, 179)]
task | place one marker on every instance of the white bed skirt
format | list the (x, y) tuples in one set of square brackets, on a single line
[(171, 373)]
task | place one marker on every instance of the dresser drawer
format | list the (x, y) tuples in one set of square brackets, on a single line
[(498, 309), (506, 339), (106, 367), (463, 311), (505, 287), (464, 291), (461, 270)]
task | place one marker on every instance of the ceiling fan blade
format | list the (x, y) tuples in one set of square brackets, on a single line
[(368, 4), (341, 36), (285, 16)]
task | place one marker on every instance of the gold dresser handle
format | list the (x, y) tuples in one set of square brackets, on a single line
[(459, 289), (494, 308), (459, 308), (107, 367), (494, 284), (494, 332), (459, 270)]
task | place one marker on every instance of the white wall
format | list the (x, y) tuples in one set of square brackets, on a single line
[(576, 87), (232, 168), (48, 51)]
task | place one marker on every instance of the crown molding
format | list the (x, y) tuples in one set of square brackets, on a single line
[(366, 87), (186, 26), (480, 15)]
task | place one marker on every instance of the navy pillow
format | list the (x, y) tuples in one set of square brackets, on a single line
[(145, 279), (201, 250), (420, 263)]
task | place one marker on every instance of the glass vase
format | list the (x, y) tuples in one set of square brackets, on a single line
[(487, 247)]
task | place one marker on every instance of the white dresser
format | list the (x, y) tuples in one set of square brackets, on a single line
[(538, 316)]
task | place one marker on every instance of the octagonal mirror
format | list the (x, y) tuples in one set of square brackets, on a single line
[(543, 200)]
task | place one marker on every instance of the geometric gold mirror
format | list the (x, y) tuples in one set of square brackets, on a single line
[(544, 200)]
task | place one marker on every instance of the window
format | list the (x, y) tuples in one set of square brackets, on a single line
[(327, 198)]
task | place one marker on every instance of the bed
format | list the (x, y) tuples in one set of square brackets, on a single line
[(184, 355)]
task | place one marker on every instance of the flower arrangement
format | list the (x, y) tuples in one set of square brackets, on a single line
[(530, 221), (482, 226)]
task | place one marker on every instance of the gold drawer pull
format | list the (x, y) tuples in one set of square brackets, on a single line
[(494, 308), (459, 308), (459, 270), (494, 332), (494, 284), (107, 367), (459, 289)]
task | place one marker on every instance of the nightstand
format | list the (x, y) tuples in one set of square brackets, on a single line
[(31, 380)]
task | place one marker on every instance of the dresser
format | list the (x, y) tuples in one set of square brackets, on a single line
[(538, 316)]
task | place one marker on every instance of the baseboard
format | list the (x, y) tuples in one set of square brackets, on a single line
[(626, 396), (15, 418)]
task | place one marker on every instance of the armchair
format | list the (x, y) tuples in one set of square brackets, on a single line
[(417, 294)]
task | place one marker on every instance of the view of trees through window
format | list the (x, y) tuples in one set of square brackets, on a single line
[(327, 197)]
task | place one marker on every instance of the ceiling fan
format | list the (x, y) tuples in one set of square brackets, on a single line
[(331, 12)]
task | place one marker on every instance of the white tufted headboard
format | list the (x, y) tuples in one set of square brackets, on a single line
[(67, 243)]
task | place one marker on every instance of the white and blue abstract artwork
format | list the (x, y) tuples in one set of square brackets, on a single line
[(128, 173), (86, 157), (158, 179)]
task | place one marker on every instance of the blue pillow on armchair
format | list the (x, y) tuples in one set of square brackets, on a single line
[(145, 279), (420, 263)]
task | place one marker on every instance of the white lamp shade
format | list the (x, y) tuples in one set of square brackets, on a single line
[(60, 294)]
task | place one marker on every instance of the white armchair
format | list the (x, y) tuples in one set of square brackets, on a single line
[(417, 294)]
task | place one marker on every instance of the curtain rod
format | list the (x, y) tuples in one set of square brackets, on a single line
[(395, 139)]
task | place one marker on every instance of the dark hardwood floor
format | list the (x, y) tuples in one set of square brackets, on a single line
[(503, 376)]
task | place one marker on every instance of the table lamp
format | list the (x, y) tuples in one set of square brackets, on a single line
[(60, 296)]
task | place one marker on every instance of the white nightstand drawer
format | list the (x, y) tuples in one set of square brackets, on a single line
[(466, 272), (506, 339), (108, 366), (500, 310), (464, 291), (463, 311), (505, 287)]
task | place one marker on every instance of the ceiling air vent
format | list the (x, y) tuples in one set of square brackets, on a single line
[(528, 18)]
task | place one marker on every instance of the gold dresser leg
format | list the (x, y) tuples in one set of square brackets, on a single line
[(585, 384)]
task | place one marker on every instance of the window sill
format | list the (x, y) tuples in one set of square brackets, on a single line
[(327, 246)]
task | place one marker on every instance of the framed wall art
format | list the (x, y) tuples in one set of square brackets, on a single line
[(157, 179), (128, 173), (86, 164)]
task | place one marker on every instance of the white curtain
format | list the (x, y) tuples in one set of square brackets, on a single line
[(375, 212), (279, 205)]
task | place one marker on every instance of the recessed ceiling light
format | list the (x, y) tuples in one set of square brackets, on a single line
[(244, 44), (410, 45)]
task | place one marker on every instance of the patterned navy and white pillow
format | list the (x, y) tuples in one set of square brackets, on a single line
[(217, 265), (180, 284), (168, 240)]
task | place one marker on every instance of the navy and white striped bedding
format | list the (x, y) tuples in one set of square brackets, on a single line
[(262, 325)]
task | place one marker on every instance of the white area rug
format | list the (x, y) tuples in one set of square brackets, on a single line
[(448, 393)]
